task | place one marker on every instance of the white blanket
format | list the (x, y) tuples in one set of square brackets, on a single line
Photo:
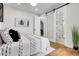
[(45, 44), (38, 44), (34, 44)]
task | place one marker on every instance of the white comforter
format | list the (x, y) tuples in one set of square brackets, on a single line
[(38, 44), (35, 44), (45, 44)]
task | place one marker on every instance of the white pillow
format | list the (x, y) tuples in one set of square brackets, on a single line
[(6, 37)]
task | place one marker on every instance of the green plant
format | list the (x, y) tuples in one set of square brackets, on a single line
[(75, 37)]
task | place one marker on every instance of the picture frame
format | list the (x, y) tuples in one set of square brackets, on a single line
[(20, 22)]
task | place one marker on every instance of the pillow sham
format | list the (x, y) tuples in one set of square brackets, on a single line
[(6, 37)]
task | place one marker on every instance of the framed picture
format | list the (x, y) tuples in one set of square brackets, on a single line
[(1, 12), (19, 22)]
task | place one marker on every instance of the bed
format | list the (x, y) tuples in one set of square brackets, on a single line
[(20, 48), (28, 45)]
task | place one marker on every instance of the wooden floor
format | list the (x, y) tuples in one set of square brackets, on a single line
[(61, 50)]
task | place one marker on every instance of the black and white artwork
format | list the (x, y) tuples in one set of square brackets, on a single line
[(20, 22)]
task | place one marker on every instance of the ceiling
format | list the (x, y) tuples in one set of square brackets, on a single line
[(39, 9)]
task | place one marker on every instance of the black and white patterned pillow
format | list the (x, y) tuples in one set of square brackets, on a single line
[(6, 37)]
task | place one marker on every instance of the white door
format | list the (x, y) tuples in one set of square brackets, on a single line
[(60, 25), (37, 25)]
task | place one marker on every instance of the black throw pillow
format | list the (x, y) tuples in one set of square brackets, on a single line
[(14, 35)]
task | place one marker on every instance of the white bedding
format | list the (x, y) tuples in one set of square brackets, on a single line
[(19, 48), (34, 44), (39, 45), (44, 42)]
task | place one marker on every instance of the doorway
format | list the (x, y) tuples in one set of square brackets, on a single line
[(41, 28)]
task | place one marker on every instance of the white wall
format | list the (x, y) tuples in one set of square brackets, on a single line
[(72, 19), (11, 13), (50, 25)]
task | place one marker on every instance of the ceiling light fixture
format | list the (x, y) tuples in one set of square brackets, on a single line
[(33, 4), (36, 9), (18, 3)]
